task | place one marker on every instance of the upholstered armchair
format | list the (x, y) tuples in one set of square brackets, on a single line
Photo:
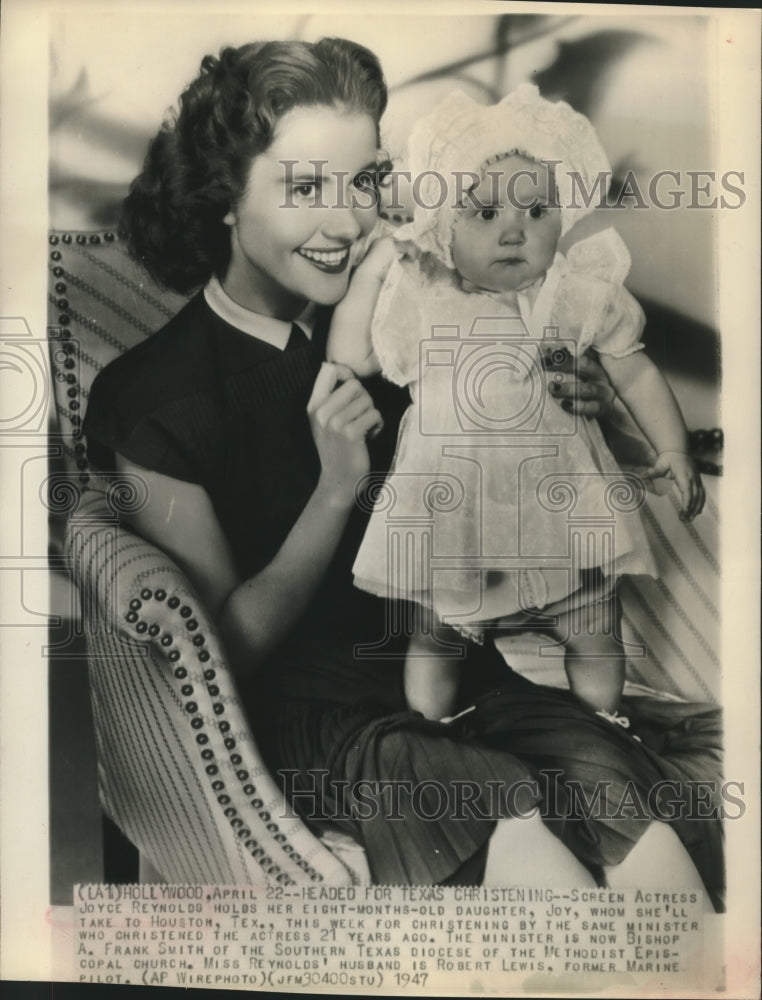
[(178, 767)]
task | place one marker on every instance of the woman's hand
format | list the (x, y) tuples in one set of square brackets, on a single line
[(341, 414), (681, 467), (590, 394)]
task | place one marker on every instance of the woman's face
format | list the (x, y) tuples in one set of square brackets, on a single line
[(295, 232), (505, 237)]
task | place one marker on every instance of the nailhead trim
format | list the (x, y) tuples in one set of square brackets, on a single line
[(207, 754)]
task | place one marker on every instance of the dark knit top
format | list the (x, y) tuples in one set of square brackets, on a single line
[(207, 403)]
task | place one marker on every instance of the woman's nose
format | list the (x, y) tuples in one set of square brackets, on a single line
[(342, 223)]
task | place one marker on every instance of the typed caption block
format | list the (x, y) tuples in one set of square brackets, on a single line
[(376, 939)]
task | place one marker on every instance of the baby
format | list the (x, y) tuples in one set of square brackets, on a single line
[(534, 522)]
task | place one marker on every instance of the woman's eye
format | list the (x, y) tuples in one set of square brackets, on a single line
[(382, 173), (365, 180), (537, 211), (306, 190), (488, 214)]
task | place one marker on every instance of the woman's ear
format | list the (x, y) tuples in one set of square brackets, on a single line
[(229, 219)]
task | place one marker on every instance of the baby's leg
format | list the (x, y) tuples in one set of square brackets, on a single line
[(431, 678), (594, 661)]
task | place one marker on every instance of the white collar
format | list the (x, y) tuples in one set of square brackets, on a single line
[(273, 331)]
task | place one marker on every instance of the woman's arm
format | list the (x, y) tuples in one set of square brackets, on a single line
[(256, 614), (349, 341), (647, 395)]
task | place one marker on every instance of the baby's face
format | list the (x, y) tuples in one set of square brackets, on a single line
[(506, 234)]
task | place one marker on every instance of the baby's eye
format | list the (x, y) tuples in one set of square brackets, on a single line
[(488, 214), (537, 210)]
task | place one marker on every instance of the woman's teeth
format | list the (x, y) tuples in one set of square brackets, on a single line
[(330, 257)]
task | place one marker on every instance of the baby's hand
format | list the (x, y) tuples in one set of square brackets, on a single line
[(382, 254), (681, 467)]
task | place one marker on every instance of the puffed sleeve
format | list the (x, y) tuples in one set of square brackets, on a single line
[(397, 327), (592, 304), (148, 435)]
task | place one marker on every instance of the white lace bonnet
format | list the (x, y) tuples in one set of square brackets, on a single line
[(460, 135)]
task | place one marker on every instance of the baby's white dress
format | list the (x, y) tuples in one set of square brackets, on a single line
[(498, 499)]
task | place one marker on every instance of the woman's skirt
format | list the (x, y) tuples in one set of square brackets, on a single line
[(422, 797)]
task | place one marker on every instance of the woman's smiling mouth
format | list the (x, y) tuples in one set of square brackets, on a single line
[(330, 261)]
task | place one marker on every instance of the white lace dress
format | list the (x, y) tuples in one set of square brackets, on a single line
[(498, 498)]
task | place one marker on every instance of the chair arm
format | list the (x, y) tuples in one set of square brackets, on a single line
[(179, 770)]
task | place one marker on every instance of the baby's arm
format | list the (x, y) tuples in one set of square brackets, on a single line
[(349, 340), (646, 394)]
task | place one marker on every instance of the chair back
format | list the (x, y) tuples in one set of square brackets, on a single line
[(100, 303)]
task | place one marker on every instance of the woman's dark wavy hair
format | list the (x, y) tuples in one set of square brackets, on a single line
[(197, 166)]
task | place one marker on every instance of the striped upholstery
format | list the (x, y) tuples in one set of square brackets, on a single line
[(179, 771), (100, 304), (676, 618), (672, 622)]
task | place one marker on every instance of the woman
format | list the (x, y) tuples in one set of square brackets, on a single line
[(262, 191)]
